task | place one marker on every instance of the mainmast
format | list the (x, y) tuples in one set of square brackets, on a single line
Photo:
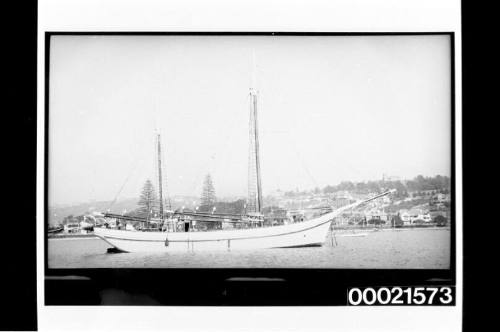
[(160, 186), (254, 177)]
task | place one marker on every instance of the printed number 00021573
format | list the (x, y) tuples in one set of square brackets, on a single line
[(433, 295)]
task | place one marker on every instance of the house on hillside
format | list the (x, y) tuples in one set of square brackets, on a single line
[(376, 213), (440, 198), (410, 216), (71, 228)]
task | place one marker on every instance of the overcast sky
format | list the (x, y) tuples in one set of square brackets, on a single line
[(330, 109)]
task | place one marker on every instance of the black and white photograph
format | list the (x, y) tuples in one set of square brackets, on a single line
[(241, 151), (266, 166)]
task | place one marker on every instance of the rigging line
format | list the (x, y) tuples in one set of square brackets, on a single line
[(350, 166), (301, 160), (346, 161), (227, 140), (224, 149), (136, 164), (297, 152), (328, 150), (165, 176), (195, 181)]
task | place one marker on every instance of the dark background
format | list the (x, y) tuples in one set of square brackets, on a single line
[(226, 287), (18, 119)]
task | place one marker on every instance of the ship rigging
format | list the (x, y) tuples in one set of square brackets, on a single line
[(251, 232)]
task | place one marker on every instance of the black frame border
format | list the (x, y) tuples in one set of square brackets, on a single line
[(295, 281)]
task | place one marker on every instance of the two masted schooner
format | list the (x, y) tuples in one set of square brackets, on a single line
[(253, 235)]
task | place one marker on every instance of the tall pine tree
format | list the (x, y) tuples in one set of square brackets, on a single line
[(208, 194), (147, 200)]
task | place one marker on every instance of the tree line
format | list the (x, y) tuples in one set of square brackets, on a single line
[(420, 183)]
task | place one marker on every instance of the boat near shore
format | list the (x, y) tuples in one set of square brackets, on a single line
[(307, 233)]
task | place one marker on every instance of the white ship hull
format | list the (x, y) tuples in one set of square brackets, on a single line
[(307, 233)]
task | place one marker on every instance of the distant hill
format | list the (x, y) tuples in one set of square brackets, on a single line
[(58, 213)]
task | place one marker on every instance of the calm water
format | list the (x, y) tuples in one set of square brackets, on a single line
[(409, 248)]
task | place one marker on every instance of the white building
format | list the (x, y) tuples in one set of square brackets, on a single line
[(410, 216), (72, 228)]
